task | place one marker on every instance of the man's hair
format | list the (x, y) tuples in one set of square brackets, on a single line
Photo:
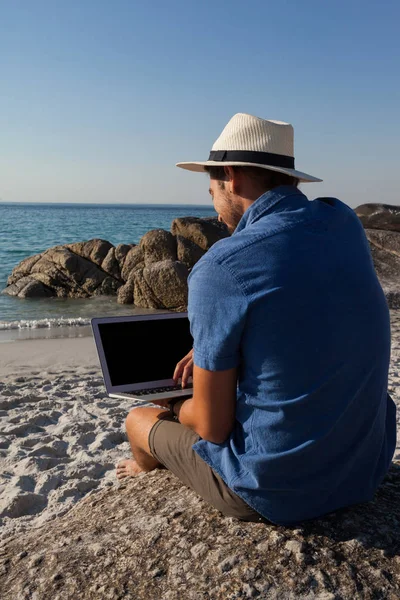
[(263, 177)]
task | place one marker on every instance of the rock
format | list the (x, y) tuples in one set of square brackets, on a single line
[(161, 285), (95, 250), (150, 275), (143, 295), (26, 287), (110, 264), (379, 216), (134, 260), (188, 252), (199, 550), (228, 563), (144, 553), (295, 548), (385, 250), (71, 271), (126, 291), (203, 232), (158, 245), (168, 282), (23, 269), (121, 252)]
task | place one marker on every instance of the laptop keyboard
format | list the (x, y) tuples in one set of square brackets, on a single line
[(161, 390)]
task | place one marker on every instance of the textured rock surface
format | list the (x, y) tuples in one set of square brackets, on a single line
[(158, 245), (385, 250), (152, 538), (188, 252), (379, 216), (161, 285), (203, 232), (77, 270)]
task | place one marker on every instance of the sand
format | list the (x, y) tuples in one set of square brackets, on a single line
[(61, 435), (19, 357)]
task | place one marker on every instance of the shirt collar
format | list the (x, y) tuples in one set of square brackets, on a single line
[(265, 203)]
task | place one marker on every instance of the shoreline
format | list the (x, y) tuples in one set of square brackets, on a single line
[(44, 333), (29, 356)]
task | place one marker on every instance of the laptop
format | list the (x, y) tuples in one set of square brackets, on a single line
[(138, 354)]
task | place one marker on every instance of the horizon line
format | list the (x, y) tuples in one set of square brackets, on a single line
[(140, 204)]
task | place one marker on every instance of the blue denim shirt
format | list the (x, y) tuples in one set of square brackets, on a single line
[(292, 300)]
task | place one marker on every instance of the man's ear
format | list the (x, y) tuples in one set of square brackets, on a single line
[(228, 173), (233, 177)]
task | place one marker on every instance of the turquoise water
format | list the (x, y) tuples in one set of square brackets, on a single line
[(26, 229)]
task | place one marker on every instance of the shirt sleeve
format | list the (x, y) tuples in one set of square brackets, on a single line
[(217, 309)]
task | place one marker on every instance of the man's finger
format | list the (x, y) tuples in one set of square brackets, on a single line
[(187, 372), (179, 368), (177, 372)]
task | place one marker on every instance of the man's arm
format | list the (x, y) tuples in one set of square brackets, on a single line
[(217, 307), (211, 411)]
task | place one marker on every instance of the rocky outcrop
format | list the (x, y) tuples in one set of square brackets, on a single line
[(154, 273), (158, 245), (379, 216), (382, 228), (202, 232), (188, 252), (151, 275), (79, 270), (153, 538), (385, 250), (161, 285)]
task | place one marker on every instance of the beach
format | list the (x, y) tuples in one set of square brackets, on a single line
[(61, 435)]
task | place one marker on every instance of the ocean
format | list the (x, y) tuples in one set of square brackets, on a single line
[(26, 229)]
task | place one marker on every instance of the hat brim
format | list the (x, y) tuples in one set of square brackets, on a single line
[(199, 168)]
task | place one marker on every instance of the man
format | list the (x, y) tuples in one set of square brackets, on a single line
[(290, 417)]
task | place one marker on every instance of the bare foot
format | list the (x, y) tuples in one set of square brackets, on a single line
[(128, 468)]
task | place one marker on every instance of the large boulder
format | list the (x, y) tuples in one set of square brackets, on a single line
[(26, 287), (158, 245), (203, 232), (134, 259), (121, 253), (79, 270), (385, 250), (151, 538), (188, 252), (126, 292), (161, 285), (379, 216), (94, 250)]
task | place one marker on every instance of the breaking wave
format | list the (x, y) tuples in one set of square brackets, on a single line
[(45, 323)]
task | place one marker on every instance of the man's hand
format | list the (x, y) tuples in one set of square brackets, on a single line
[(184, 369)]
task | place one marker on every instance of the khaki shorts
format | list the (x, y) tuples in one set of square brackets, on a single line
[(171, 444)]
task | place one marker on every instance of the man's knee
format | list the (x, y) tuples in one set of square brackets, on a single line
[(139, 422), (136, 419), (133, 416)]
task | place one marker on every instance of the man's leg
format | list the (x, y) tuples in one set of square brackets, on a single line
[(172, 443), (139, 422)]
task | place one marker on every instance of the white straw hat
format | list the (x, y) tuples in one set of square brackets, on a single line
[(251, 141)]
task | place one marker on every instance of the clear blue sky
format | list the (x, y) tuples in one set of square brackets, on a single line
[(100, 98)]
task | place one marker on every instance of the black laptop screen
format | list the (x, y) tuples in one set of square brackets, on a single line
[(139, 351)]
